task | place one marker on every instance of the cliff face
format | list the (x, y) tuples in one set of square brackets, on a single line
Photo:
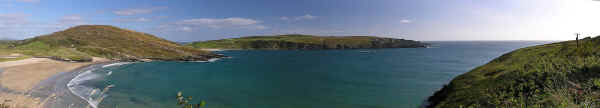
[(83, 42), (564, 74), (307, 42)]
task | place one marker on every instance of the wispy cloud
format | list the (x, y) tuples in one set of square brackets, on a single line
[(188, 25), (29, 1), (72, 20), (186, 29), (11, 20), (219, 23), (137, 11), (297, 18), (284, 18), (306, 17), (6, 5), (141, 19), (405, 21), (18, 26)]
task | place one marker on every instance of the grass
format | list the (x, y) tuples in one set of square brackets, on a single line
[(5, 50), (14, 59), (560, 74), (81, 43), (297, 41)]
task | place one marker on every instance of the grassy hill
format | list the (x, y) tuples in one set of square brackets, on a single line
[(562, 74), (81, 43), (296, 41)]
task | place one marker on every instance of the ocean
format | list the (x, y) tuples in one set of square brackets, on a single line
[(358, 78)]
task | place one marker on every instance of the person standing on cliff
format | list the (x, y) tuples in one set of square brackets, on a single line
[(577, 39)]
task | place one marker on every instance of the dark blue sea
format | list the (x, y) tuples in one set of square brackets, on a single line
[(362, 78)]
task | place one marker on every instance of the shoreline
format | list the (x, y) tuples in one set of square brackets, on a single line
[(36, 82), (58, 85), (217, 49), (42, 82)]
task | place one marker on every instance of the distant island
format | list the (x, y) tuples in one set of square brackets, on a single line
[(82, 43), (307, 42), (564, 74)]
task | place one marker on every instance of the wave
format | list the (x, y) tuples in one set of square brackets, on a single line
[(85, 85), (209, 60), (116, 64), (77, 86)]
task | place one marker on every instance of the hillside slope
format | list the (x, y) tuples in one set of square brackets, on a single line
[(562, 74), (296, 41), (83, 42)]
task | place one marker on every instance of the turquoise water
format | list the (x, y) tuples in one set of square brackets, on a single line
[(384, 78)]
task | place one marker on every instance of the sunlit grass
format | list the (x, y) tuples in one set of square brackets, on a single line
[(553, 75)]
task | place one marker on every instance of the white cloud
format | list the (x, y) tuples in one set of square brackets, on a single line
[(298, 18), (405, 21), (137, 11), (29, 1)]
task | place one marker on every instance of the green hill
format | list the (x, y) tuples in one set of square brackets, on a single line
[(81, 43), (562, 74), (296, 41)]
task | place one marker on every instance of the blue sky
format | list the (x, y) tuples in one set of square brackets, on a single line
[(193, 20)]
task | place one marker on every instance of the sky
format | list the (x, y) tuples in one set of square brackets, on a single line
[(197, 20)]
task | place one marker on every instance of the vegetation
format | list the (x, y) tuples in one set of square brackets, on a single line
[(5, 51), (560, 74), (185, 102), (81, 43), (296, 41)]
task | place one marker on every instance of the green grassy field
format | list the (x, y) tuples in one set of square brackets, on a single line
[(562, 74), (297, 41)]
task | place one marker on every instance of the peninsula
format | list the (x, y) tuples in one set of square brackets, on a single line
[(307, 42)]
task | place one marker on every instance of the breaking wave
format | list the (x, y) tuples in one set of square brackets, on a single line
[(88, 85)]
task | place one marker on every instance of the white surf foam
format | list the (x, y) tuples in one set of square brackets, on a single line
[(116, 64), (82, 91), (209, 60), (213, 59), (79, 85)]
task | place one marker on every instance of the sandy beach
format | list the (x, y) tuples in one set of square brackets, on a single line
[(18, 78)]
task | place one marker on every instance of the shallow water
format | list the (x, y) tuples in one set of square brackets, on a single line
[(383, 78)]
